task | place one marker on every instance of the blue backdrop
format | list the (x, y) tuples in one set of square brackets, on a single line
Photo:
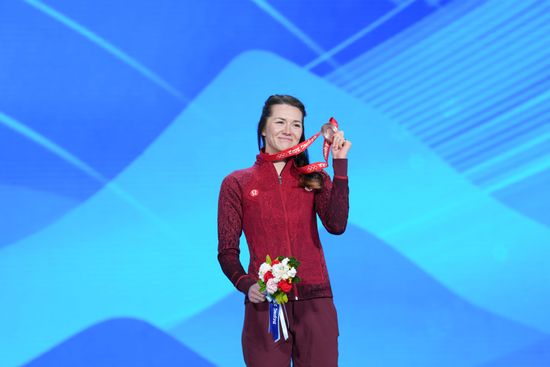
[(119, 119)]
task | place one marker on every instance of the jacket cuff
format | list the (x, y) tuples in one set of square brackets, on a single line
[(244, 283), (340, 166)]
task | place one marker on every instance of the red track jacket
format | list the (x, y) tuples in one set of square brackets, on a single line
[(278, 218)]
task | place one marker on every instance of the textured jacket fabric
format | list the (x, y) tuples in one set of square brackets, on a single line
[(278, 217)]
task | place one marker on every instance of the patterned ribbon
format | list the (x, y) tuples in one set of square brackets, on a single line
[(332, 125)]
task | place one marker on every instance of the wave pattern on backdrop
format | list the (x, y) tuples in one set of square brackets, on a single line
[(109, 111)]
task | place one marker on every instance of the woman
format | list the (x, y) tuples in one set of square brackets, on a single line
[(276, 206)]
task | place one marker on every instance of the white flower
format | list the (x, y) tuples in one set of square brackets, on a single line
[(264, 268), (271, 286), (292, 272), (285, 275), (285, 261), (278, 270)]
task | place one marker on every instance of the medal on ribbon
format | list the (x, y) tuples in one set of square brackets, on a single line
[(327, 130)]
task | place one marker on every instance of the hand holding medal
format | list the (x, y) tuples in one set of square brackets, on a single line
[(340, 146)]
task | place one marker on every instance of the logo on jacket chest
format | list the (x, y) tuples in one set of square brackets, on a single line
[(253, 193)]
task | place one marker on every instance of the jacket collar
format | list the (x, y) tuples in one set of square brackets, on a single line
[(262, 162)]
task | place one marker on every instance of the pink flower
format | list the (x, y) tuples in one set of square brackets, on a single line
[(271, 286), (268, 276)]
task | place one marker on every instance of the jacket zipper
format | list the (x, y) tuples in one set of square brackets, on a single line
[(286, 222)]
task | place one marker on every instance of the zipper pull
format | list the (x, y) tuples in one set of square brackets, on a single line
[(280, 180)]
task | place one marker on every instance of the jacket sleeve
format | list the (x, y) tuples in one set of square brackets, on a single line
[(229, 233), (332, 201)]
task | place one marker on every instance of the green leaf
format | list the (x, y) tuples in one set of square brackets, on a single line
[(262, 285), (296, 280), (268, 259), (293, 262), (285, 298)]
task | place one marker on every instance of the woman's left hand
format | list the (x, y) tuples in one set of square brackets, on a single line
[(340, 146)]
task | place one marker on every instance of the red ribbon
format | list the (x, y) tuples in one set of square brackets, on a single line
[(299, 148)]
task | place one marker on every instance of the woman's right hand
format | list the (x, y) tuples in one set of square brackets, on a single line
[(254, 294)]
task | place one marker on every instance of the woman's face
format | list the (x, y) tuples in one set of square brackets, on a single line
[(283, 128)]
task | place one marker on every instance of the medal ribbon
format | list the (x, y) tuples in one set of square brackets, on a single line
[(299, 148)]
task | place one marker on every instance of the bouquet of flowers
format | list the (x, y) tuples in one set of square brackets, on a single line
[(277, 277), (276, 280)]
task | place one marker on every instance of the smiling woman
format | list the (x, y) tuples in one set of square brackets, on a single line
[(276, 206), (283, 129)]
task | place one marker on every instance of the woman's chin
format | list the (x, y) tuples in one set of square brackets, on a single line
[(282, 146), (285, 145)]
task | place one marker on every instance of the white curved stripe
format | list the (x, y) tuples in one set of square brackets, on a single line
[(52, 147), (109, 47), (357, 36), (508, 154), (76, 162), (532, 169), (292, 28)]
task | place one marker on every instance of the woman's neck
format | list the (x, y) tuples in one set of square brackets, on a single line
[(279, 166)]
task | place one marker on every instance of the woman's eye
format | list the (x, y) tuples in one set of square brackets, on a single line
[(297, 126)]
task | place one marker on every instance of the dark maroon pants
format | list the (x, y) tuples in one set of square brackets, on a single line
[(312, 337)]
